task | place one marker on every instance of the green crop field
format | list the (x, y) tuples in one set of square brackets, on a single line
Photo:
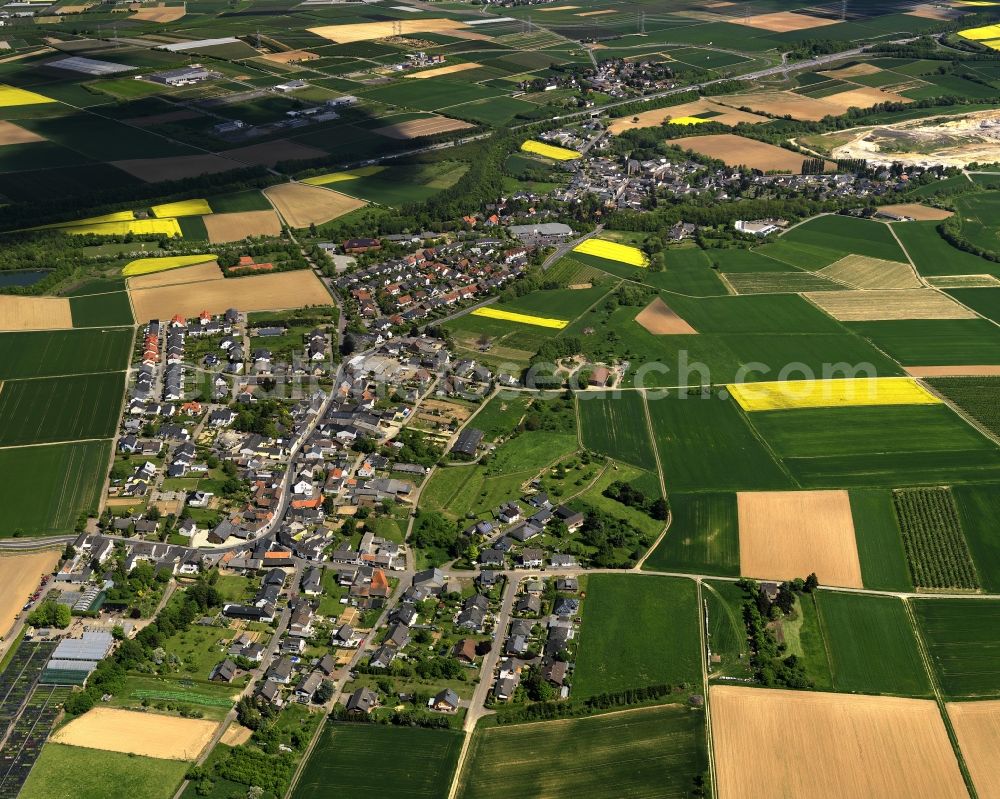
[(60, 408), (754, 313), (72, 772), (871, 645), (938, 342), (703, 537), (101, 310), (962, 637), (616, 426), (984, 301), (46, 488), (978, 511), (976, 396), (932, 255), (637, 631), (979, 213), (708, 445), (383, 761), (932, 539), (655, 753), (811, 353), (846, 234), (880, 547), (62, 352)]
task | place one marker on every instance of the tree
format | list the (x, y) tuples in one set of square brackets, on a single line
[(323, 693), (811, 584), (50, 614)]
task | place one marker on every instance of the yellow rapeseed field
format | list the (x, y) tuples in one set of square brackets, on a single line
[(521, 318), (686, 121), (613, 251), (182, 208), (11, 96), (985, 32), (147, 266), (549, 150), (138, 227), (340, 177), (853, 391)]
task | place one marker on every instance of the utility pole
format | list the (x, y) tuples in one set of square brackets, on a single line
[(642, 22)]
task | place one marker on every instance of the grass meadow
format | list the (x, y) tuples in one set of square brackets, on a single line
[(655, 753), (410, 763), (637, 631)]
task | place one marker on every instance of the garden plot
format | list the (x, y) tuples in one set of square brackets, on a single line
[(885, 305), (788, 534), (830, 746)]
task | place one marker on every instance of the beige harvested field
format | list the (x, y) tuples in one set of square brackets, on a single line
[(852, 70), (558, 8), (114, 730), (736, 150), (171, 277), (963, 281), (274, 151), (787, 534), (650, 119), (863, 272), (929, 11), (77, 9), (595, 13), (160, 13), (19, 576), (267, 292), (236, 735), (879, 305), (153, 170), (415, 128), (982, 370), (977, 726), (798, 106), (774, 743), (162, 119), (234, 227), (35, 313), (368, 31), (448, 70), (661, 320), (15, 134), (782, 21), (301, 205), (290, 57), (920, 212)]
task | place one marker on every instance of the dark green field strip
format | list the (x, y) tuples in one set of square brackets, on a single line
[(61, 352), (974, 396), (979, 512), (873, 648), (565, 304), (98, 286), (708, 445), (413, 763), (880, 548), (43, 490), (962, 637), (785, 313), (703, 537), (616, 426), (984, 301), (638, 631), (654, 753), (60, 408), (892, 469), (810, 353), (846, 234), (102, 310), (938, 342)]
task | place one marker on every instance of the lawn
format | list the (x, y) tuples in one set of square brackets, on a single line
[(616, 425), (654, 753), (405, 762), (45, 489), (72, 772), (708, 445), (871, 645), (101, 310), (880, 548), (847, 234), (962, 637), (60, 408), (703, 537), (60, 352), (638, 631)]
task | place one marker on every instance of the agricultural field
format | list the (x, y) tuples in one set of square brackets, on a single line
[(962, 637), (613, 251), (616, 426), (657, 753), (936, 550), (973, 396), (726, 630), (919, 343), (410, 763), (739, 151), (778, 743), (977, 728), (835, 233), (60, 409), (880, 546), (101, 310), (978, 508), (638, 631), (113, 730), (703, 537), (847, 392), (20, 576), (52, 353), (150, 266), (98, 774), (35, 313)]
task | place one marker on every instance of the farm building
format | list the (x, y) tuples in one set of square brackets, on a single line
[(74, 659), (468, 442), (186, 76)]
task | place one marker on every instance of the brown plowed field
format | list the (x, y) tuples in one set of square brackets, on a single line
[(661, 320)]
